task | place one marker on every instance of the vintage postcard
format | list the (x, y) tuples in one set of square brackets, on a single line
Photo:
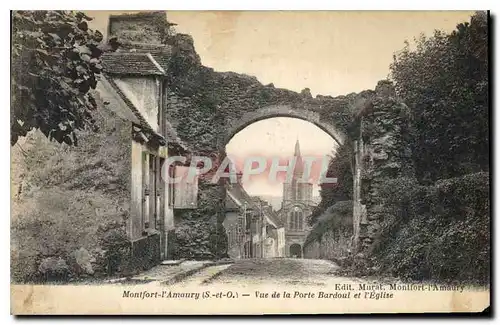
[(249, 162)]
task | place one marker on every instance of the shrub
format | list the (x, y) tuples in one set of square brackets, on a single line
[(439, 232), (52, 268), (53, 224), (336, 218), (444, 81), (116, 248), (340, 168)]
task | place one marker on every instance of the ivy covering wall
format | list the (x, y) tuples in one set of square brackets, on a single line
[(67, 198)]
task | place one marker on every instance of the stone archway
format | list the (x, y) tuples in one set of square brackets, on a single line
[(237, 124), (207, 108), (308, 113), (296, 251)]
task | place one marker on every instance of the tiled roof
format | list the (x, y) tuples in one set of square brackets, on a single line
[(173, 139), (161, 53), (238, 192), (130, 63), (142, 60)]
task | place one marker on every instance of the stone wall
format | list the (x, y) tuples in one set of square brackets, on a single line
[(381, 153), (64, 194), (332, 235), (333, 245), (143, 27), (207, 108), (202, 105)]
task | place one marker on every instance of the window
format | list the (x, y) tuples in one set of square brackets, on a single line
[(241, 223), (171, 174), (185, 191), (154, 191), (232, 237), (248, 220), (153, 198), (296, 218), (145, 190)]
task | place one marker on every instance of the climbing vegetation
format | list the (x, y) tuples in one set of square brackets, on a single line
[(55, 64), (439, 232), (444, 81), (331, 193)]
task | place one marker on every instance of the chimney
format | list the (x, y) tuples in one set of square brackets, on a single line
[(149, 27), (239, 176)]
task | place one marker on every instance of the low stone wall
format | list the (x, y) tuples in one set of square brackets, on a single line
[(333, 245), (146, 251)]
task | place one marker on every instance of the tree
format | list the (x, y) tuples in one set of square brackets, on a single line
[(340, 167), (444, 81), (55, 64)]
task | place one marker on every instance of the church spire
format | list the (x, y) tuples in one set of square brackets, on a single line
[(299, 168), (297, 148)]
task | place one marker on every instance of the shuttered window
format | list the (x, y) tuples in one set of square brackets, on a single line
[(185, 193)]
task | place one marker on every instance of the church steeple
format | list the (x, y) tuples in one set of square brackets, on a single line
[(299, 165), (297, 149), (297, 190)]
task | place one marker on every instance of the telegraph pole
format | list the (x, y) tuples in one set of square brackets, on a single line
[(243, 234), (262, 225)]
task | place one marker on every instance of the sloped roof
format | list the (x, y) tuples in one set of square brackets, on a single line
[(131, 63), (134, 59), (172, 137), (232, 203), (161, 53), (268, 210), (172, 140), (238, 197)]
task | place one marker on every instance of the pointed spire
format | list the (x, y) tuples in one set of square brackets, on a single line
[(297, 148), (299, 168)]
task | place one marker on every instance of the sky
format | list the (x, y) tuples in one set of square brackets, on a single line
[(275, 138), (329, 52)]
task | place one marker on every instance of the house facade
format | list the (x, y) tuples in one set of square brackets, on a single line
[(133, 85), (251, 226), (255, 230)]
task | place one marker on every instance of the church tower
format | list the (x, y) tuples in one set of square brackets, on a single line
[(296, 207), (298, 189)]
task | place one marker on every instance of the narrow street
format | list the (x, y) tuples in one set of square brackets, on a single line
[(284, 271)]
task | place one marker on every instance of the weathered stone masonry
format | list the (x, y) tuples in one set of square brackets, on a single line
[(218, 105), (379, 132), (381, 152), (206, 108)]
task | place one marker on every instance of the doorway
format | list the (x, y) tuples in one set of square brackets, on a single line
[(295, 251)]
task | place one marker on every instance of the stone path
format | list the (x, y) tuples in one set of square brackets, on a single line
[(165, 274), (279, 271), (204, 276)]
